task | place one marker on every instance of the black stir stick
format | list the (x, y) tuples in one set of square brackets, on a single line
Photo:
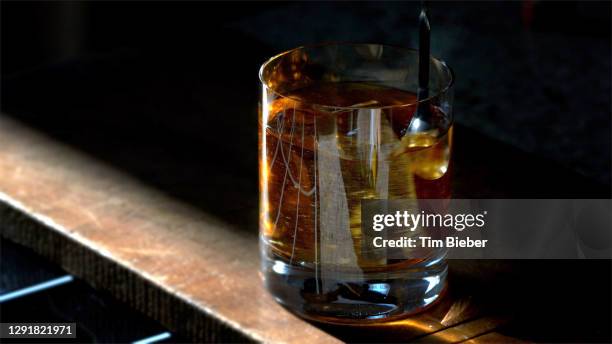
[(424, 34), (419, 121)]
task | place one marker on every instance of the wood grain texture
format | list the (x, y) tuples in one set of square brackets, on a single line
[(194, 273), (197, 273), (191, 271)]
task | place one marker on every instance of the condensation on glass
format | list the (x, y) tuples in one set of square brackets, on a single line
[(333, 132)]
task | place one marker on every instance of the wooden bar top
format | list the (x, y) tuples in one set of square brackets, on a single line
[(141, 244), (195, 270)]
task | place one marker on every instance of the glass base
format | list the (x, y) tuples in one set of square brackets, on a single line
[(350, 299)]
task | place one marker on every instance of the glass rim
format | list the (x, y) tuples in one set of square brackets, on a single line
[(444, 89)]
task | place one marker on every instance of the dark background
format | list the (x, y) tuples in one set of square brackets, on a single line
[(168, 92), (535, 75)]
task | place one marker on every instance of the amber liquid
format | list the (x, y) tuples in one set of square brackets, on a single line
[(324, 149)]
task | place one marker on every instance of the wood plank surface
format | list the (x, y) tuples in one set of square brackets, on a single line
[(197, 273), (194, 273)]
